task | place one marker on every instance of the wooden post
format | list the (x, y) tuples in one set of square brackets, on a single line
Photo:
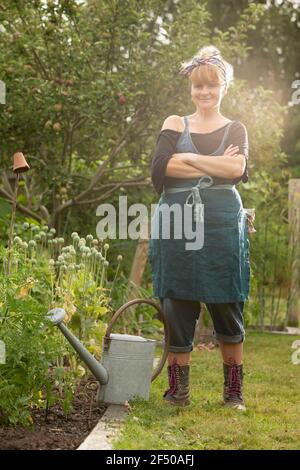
[(138, 267), (136, 273), (293, 306), (12, 225)]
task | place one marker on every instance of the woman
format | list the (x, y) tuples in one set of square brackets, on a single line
[(197, 162)]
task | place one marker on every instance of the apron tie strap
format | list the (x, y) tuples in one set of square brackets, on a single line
[(195, 197)]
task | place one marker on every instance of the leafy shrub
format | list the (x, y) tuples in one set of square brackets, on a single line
[(41, 367)]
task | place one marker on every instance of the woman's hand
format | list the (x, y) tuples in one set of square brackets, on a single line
[(231, 151), (250, 213)]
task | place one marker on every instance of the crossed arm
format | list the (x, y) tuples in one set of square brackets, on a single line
[(191, 165)]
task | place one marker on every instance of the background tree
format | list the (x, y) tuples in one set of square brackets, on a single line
[(88, 86), (273, 58)]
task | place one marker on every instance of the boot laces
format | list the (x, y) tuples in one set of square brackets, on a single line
[(234, 382), (173, 378)]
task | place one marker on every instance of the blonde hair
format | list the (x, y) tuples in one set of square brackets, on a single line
[(219, 72)]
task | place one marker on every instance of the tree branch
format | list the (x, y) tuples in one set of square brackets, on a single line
[(37, 58), (22, 208), (111, 191), (123, 183), (101, 168), (7, 185)]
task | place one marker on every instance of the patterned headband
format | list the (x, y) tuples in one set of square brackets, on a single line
[(211, 60)]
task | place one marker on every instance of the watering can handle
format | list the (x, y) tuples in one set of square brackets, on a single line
[(161, 317)]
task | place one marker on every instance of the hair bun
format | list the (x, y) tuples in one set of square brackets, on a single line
[(206, 52)]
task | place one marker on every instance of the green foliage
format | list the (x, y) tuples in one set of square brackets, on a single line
[(98, 79), (33, 352), (117, 84), (41, 367), (5, 212)]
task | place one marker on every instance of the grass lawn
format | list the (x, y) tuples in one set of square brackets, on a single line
[(271, 393)]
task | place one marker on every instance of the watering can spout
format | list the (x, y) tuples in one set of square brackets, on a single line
[(56, 316)]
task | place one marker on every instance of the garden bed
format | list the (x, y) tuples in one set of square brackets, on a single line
[(57, 432)]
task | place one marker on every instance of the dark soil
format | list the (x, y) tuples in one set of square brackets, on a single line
[(58, 432)]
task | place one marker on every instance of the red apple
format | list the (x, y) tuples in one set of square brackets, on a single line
[(122, 99)]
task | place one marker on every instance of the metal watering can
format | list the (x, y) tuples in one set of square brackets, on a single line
[(127, 360)]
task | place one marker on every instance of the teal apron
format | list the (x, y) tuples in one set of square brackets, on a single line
[(219, 272)]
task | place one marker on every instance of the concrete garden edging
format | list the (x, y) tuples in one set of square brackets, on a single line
[(108, 427)]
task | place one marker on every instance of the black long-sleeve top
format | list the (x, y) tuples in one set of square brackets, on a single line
[(205, 144)]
